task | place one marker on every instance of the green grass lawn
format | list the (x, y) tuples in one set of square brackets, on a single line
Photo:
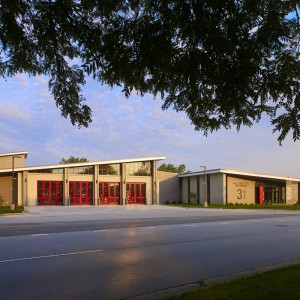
[(239, 206), (272, 285), (7, 210)]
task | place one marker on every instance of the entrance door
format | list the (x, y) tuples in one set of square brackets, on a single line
[(109, 193), (136, 193), (81, 193), (50, 192)]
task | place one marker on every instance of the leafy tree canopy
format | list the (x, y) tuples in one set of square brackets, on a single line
[(223, 62), (73, 159), (171, 168)]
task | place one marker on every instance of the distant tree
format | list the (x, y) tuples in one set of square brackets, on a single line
[(73, 159), (171, 168), (181, 169)]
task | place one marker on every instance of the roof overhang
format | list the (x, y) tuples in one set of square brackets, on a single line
[(25, 153), (83, 164)]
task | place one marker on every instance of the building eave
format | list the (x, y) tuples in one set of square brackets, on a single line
[(25, 153)]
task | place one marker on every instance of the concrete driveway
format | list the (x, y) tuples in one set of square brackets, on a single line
[(130, 212)]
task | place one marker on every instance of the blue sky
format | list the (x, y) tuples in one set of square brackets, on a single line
[(129, 128)]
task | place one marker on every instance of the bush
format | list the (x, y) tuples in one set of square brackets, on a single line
[(2, 199)]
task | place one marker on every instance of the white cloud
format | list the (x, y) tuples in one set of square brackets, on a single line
[(12, 111), (134, 127)]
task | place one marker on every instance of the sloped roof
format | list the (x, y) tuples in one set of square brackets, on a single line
[(25, 153), (82, 164)]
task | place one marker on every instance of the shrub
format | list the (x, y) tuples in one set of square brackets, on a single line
[(2, 199)]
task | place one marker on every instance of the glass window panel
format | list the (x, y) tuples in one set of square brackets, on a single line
[(105, 189), (100, 190), (117, 189), (138, 190), (53, 189), (71, 187), (54, 171), (112, 190), (77, 189), (138, 168), (143, 190), (90, 189), (40, 189), (83, 189), (82, 170), (111, 169)]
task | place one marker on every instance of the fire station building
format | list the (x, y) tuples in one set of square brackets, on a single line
[(127, 181), (223, 186), (135, 181)]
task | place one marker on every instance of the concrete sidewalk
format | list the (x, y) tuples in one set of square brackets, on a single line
[(39, 214)]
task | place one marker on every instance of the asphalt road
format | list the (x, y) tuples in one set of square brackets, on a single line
[(137, 253)]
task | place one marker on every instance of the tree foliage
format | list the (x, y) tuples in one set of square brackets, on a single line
[(223, 62), (73, 159), (171, 168)]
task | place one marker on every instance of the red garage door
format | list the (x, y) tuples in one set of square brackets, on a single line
[(136, 192), (81, 193), (50, 192), (109, 193)]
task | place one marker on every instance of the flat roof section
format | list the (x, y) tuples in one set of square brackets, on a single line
[(241, 173)]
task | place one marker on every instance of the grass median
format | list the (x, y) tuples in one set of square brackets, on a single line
[(8, 210), (276, 285)]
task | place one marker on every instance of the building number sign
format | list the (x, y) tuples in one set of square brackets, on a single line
[(241, 194)]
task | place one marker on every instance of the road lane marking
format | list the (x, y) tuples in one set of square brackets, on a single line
[(224, 223), (49, 256), (151, 227), (100, 230), (190, 225), (39, 234)]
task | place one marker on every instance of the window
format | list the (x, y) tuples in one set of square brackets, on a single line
[(139, 168), (51, 171), (82, 170), (112, 169)]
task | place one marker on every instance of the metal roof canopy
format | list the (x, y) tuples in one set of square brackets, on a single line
[(83, 164)]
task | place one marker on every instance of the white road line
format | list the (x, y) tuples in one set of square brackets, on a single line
[(49, 256), (190, 225), (224, 223), (100, 230), (39, 234)]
